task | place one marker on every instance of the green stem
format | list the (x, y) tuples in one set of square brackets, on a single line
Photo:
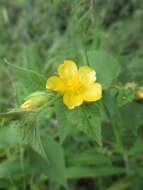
[(24, 69)]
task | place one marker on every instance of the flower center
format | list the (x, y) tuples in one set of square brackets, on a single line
[(72, 84)]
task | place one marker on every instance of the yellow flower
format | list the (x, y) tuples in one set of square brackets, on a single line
[(76, 85)]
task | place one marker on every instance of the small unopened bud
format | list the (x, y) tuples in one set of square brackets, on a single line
[(131, 85), (35, 100), (140, 94)]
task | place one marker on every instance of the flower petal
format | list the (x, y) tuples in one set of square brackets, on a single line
[(27, 105), (68, 69), (87, 75), (55, 83), (92, 92), (72, 100)]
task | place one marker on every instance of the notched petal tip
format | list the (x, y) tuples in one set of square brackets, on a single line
[(87, 75), (67, 61)]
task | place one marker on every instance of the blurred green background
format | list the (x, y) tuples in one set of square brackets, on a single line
[(35, 37)]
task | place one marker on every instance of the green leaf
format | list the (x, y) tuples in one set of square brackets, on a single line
[(125, 96), (64, 124), (37, 162), (121, 184), (85, 118), (33, 162), (84, 172), (134, 70), (131, 116), (51, 164), (13, 168), (91, 159), (9, 136), (27, 81), (92, 125), (17, 167), (6, 183), (106, 66), (137, 148), (110, 102), (55, 156)]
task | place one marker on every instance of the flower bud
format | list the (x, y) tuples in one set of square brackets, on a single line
[(131, 85), (140, 94), (35, 100)]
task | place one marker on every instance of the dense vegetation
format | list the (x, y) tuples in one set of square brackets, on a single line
[(96, 146)]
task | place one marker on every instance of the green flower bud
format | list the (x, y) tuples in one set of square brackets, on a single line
[(35, 100)]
